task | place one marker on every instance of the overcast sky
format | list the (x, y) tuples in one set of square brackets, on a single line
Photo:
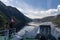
[(35, 8)]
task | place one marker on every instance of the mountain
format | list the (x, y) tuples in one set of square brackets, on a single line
[(49, 18), (55, 19), (12, 12), (45, 19)]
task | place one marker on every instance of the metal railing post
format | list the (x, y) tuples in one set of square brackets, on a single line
[(13, 32), (6, 34)]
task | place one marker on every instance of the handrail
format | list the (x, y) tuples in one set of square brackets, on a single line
[(3, 30), (6, 34)]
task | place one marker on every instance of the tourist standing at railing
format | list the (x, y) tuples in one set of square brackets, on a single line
[(9, 26), (12, 29)]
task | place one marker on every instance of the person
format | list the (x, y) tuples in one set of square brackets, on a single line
[(6, 31), (12, 29)]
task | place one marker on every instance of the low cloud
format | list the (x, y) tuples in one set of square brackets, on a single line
[(30, 11)]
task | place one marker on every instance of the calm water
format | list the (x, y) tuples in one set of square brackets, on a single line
[(32, 29), (29, 31)]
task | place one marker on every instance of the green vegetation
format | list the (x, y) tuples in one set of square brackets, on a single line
[(3, 19), (57, 21)]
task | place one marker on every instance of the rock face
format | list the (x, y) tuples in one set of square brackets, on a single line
[(12, 12)]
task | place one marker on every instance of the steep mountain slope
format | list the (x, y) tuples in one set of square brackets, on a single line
[(12, 12)]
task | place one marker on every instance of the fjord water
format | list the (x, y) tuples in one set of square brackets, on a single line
[(30, 31)]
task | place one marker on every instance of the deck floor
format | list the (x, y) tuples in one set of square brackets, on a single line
[(3, 38)]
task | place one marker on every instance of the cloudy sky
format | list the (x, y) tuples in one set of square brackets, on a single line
[(35, 8)]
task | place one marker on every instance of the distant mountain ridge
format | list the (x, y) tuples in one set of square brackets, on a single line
[(55, 19), (51, 18)]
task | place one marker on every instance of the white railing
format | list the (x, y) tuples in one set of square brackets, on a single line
[(5, 33)]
